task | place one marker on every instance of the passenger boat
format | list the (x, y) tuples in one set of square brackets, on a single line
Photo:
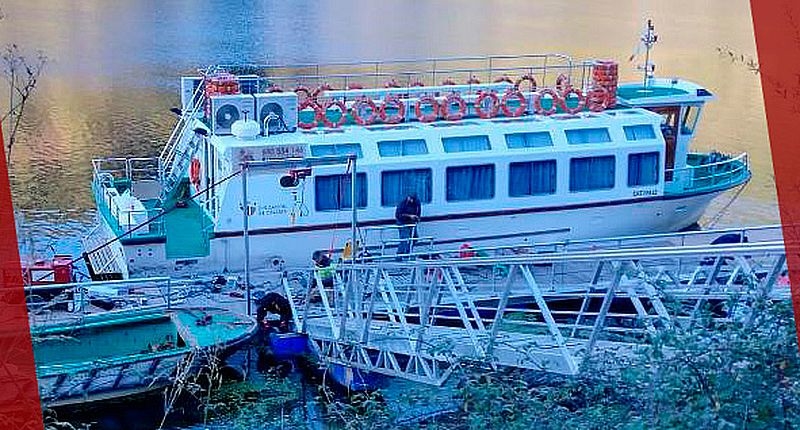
[(115, 354), (500, 150)]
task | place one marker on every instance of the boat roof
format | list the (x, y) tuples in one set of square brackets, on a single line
[(662, 91)]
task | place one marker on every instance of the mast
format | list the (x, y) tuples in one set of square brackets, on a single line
[(649, 39)]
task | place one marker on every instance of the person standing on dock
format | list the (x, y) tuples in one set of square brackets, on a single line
[(407, 216)]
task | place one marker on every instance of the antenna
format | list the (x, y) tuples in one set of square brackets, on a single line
[(649, 38)]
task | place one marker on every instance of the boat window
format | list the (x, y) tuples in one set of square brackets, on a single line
[(643, 169), (470, 182), (592, 173), (690, 119), (337, 149), (639, 132), (587, 135), (333, 192), (398, 148), (396, 185), (466, 143), (532, 178), (529, 140)]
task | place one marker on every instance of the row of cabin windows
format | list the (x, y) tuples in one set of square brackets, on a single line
[(399, 148), (464, 183)]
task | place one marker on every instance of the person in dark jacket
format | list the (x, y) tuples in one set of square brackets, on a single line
[(407, 216), (276, 304)]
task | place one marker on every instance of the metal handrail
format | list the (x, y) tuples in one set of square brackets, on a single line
[(740, 163)]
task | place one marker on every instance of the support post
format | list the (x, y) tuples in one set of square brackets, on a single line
[(246, 235)]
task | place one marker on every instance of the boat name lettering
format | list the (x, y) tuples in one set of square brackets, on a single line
[(643, 193), (273, 210)]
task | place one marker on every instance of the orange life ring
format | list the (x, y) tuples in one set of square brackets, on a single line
[(597, 99), (504, 78), (430, 116), (322, 113), (523, 104), (392, 101), (448, 81), (416, 84), (355, 111), (274, 89), (562, 83), (528, 78), (495, 104), (450, 100), (355, 86), (537, 101), (303, 93), (194, 173), (565, 96), (320, 89), (391, 83), (308, 102), (466, 251), (473, 80)]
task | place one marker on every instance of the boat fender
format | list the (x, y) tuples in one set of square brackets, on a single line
[(323, 114), (308, 102), (537, 101), (429, 117), (364, 103), (597, 99), (453, 99), (194, 173), (494, 107), (562, 83), (565, 96), (513, 94), (392, 101), (526, 78)]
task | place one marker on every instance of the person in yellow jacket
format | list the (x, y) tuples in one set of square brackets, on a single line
[(324, 269)]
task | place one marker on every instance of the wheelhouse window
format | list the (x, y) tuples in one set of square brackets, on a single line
[(643, 169), (587, 135), (337, 149), (396, 185), (332, 192), (690, 118), (529, 140), (399, 148), (592, 173), (639, 132), (466, 143), (470, 182), (532, 178)]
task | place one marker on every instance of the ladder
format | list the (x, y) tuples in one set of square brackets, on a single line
[(108, 261), (181, 145)]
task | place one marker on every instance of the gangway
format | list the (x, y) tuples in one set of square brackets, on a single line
[(421, 319)]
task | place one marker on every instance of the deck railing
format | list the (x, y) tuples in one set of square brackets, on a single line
[(430, 72), (712, 171), (111, 173)]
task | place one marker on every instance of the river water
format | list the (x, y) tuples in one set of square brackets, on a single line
[(113, 68)]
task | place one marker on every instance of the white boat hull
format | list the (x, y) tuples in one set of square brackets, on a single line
[(277, 249)]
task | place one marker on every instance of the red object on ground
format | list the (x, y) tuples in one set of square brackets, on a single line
[(779, 65), (20, 408)]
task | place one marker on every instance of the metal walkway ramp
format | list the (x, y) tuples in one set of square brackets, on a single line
[(547, 311)]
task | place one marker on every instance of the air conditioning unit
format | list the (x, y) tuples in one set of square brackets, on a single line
[(248, 84), (189, 85), (227, 109), (283, 105)]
